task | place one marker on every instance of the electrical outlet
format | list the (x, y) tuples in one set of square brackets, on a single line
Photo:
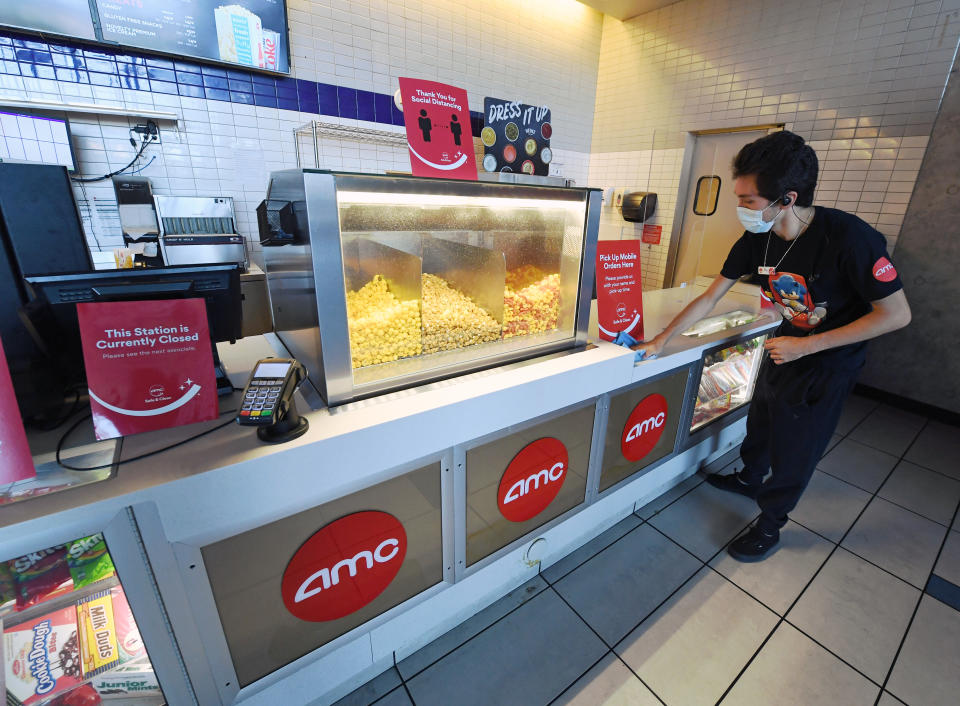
[(617, 197), (149, 128)]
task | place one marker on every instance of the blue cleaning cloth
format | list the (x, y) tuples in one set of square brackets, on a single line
[(626, 340)]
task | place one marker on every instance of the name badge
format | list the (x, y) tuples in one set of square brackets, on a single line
[(764, 270)]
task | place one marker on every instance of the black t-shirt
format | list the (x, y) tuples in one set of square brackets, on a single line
[(825, 280)]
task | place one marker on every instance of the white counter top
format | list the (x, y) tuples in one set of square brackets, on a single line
[(227, 481)]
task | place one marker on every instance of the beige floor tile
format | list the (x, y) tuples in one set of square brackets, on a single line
[(948, 565), (779, 579), (829, 506), (898, 540), (793, 670), (691, 649), (889, 429), (608, 683), (857, 611), (927, 672), (931, 494), (705, 519), (937, 448), (859, 464)]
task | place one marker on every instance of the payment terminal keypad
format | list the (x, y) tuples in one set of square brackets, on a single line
[(261, 400)]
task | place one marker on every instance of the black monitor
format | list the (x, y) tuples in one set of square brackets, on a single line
[(52, 315)]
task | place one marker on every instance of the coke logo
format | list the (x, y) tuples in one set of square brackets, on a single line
[(533, 479), (644, 427), (884, 271), (344, 566)]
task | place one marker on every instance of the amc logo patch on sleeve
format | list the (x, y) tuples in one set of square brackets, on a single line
[(883, 270)]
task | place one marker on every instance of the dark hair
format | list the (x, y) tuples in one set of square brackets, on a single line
[(781, 162)]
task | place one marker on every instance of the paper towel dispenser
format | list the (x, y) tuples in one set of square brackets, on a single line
[(638, 206)]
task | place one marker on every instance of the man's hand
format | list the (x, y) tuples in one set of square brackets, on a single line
[(784, 349), (651, 348)]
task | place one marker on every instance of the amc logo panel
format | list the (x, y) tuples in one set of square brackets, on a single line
[(287, 588), (522, 480), (642, 427)]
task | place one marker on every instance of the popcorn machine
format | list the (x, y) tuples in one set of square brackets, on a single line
[(390, 281)]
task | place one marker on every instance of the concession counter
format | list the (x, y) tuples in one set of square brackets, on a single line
[(466, 430)]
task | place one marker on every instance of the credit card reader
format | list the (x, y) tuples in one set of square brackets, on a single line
[(268, 402)]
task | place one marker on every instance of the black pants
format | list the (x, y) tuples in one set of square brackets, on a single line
[(794, 412)]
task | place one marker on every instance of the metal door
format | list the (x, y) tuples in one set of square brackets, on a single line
[(710, 226)]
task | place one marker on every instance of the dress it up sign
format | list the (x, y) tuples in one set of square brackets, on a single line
[(516, 137), (149, 365), (439, 136)]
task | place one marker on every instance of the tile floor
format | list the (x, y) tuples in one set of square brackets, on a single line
[(860, 605)]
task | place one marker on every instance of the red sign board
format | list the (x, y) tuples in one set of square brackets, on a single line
[(619, 291), (533, 479), (644, 427), (344, 566), (149, 365), (16, 462), (651, 234), (439, 135)]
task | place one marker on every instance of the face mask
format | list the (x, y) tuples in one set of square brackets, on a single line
[(753, 220)]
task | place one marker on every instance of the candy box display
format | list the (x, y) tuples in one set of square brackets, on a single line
[(129, 641), (42, 656), (98, 634), (40, 575), (392, 282), (727, 380), (127, 680)]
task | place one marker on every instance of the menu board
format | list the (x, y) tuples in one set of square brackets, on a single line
[(68, 17), (516, 137), (250, 33)]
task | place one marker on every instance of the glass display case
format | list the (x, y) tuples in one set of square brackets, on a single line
[(69, 635), (388, 281), (727, 380)]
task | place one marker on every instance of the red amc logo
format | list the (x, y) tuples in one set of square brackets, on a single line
[(644, 427), (883, 270), (533, 479), (344, 566)]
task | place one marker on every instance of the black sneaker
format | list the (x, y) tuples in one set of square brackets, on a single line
[(754, 545), (734, 484)]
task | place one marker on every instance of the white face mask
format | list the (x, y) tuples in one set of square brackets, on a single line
[(753, 220)]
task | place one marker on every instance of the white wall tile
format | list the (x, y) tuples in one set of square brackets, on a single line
[(836, 73)]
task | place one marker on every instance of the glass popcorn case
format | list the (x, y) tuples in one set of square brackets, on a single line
[(383, 282)]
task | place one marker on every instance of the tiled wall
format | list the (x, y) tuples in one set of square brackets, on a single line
[(640, 170), (920, 362), (235, 126), (860, 79)]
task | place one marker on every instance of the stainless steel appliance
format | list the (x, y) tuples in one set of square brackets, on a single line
[(199, 230), (394, 281), (138, 218)]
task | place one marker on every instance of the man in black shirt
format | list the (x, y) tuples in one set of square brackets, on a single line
[(830, 276)]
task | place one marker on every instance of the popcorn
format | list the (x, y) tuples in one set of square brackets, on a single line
[(531, 301), (451, 319), (382, 328)]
